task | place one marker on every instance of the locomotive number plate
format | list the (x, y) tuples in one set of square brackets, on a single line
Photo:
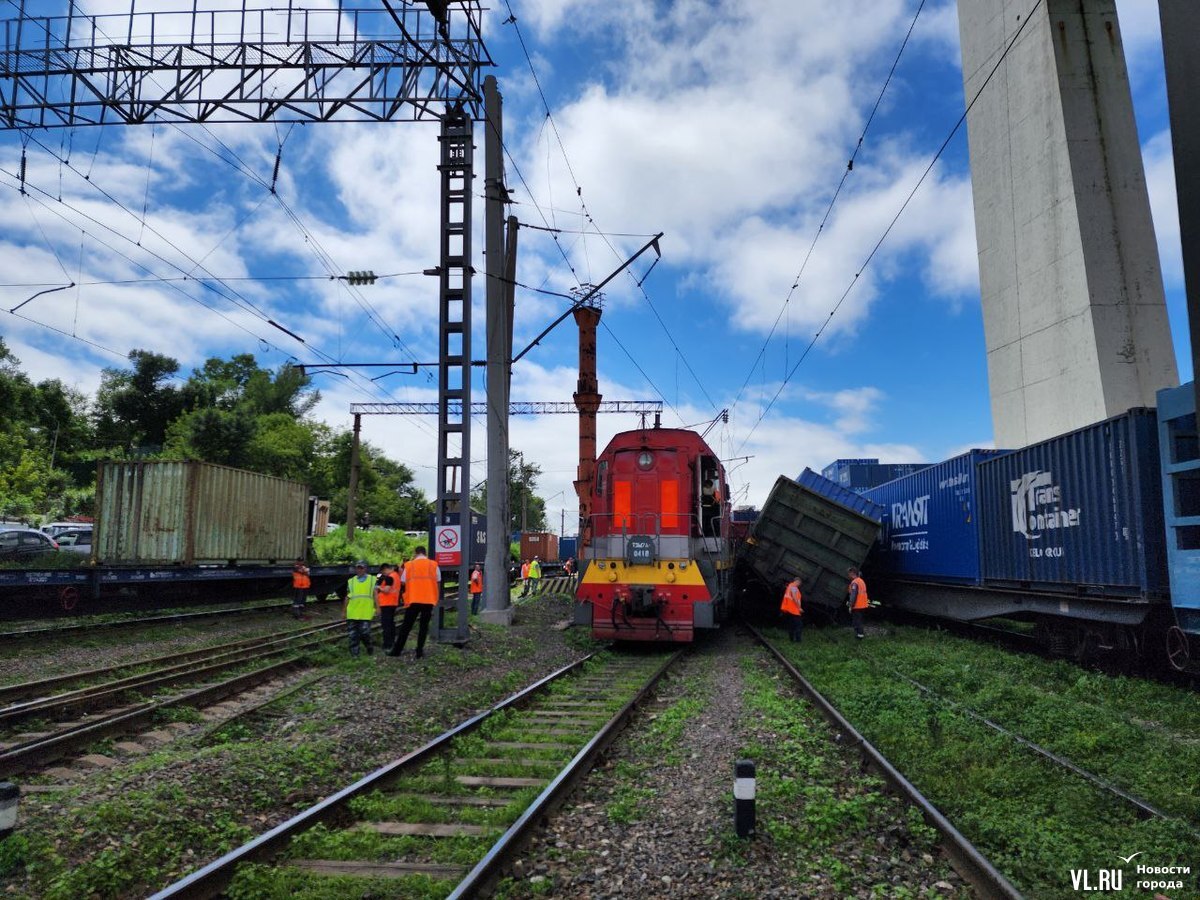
[(639, 550)]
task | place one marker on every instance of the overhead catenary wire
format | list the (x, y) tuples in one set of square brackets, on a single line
[(310, 240), (892, 224), (832, 202), (512, 20)]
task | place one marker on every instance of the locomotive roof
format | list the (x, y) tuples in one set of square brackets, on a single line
[(659, 439)]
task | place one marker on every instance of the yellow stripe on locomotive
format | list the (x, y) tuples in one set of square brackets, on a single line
[(666, 600)]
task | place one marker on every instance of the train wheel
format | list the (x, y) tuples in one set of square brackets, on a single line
[(1179, 653), (68, 597)]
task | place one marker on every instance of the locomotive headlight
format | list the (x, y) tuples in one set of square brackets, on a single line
[(645, 459)]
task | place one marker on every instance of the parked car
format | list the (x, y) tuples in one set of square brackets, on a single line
[(54, 529), (78, 541), (23, 543)]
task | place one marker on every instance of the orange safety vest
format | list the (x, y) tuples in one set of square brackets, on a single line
[(860, 599), (421, 581), (525, 570), (791, 599), (389, 595), (300, 579), (476, 585)]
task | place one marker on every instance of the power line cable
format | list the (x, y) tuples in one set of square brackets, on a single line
[(832, 202), (888, 230), (512, 20)]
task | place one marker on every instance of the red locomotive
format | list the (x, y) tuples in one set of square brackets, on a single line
[(655, 545)]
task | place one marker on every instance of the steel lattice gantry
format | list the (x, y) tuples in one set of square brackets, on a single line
[(281, 63), (515, 408), (453, 503)]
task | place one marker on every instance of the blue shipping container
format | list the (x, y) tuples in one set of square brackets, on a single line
[(1180, 448), (822, 486), (931, 522), (568, 547), (1080, 513), (860, 475)]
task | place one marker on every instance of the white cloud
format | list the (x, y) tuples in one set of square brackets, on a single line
[(1164, 206)]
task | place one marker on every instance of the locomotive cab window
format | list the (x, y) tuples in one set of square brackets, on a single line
[(601, 477)]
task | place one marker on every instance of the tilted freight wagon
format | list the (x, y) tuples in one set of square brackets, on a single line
[(815, 528)]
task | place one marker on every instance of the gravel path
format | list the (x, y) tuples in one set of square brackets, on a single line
[(656, 818)]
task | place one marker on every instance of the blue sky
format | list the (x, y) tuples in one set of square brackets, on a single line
[(725, 124)]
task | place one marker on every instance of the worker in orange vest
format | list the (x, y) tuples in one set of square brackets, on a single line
[(791, 607), (387, 595), (421, 583), (525, 578), (476, 588), (856, 600), (300, 585)]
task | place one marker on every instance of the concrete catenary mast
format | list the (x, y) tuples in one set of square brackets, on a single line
[(1074, 312)]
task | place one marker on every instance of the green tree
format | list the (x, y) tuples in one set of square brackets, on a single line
[(526, 509), (135, 408)]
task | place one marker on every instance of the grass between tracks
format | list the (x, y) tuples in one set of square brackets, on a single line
[(1034, 820), (814, 805), (130, 831)]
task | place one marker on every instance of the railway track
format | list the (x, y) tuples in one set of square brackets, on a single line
[(52, 631), (65, 721), (445, 818), (967, 860)]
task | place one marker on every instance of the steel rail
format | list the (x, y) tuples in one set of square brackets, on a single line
[(54, 630), (62, 703), (167, 677), (1145, 809), (488, 869), (17, 759), (966, 859), (215, 877), (37, 688)]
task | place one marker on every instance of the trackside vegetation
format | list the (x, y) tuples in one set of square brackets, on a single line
[(1035, 820)]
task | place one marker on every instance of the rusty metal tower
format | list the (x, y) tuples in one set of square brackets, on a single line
[(587, 398)]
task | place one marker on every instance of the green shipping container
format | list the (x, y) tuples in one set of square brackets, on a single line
[(162, 512)]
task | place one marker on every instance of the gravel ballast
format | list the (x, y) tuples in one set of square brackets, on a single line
[(655, 819), (131, 829)]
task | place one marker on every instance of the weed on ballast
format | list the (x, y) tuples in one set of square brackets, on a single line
[(1035, 820), (814, 804), (263, 882)]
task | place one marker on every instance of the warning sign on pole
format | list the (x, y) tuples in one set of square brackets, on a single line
[(448, 541)]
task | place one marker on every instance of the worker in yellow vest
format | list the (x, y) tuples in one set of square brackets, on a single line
[(421, 583), (360, 608), (856, 600), (791, 608), (535, 575)]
